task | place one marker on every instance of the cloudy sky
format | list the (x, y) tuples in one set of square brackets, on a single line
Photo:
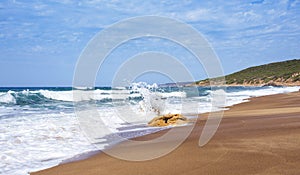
[(40, 41)]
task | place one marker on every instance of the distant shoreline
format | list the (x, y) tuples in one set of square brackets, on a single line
[(247, 85), (285, 73)]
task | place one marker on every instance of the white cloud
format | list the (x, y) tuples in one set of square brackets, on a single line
[(66, 2), (294, 3), (198, 14), (225, 23), (37, 48), (40, 6)]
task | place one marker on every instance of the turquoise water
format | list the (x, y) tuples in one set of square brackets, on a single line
[(39, 126)]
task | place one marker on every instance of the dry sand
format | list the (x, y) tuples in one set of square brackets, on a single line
[(258, 137)]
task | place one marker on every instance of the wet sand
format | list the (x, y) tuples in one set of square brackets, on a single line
[(257, 137)]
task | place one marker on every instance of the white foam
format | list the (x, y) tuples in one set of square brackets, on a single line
[(242, 96), (264, 91), (139, 85), (57, 95), (7, 98), (83, 88), (39, 141), (78, 95), (173, 94)]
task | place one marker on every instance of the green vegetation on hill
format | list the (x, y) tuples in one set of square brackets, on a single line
[(279, 73)]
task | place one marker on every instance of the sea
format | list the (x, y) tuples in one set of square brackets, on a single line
[(40, 127)]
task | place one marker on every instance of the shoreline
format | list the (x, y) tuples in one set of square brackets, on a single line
[(244, 85), (268, 108), (88, 154)]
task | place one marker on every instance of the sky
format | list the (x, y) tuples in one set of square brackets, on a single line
[(41, 41)]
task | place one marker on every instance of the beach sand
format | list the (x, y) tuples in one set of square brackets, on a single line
[(257, 137)]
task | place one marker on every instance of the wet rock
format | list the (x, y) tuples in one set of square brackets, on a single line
[(272, 84), (168, 119)]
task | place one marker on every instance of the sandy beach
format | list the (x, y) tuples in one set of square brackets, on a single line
[(261, 136)]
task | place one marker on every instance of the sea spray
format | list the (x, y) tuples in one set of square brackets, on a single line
[(7, 98), (155, 99), (151, 101)]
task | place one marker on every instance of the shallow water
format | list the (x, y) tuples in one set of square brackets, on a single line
[(40, 129)]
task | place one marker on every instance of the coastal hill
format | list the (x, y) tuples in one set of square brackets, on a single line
[(286, 73)]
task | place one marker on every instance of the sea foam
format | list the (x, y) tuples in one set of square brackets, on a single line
[(39, 128)]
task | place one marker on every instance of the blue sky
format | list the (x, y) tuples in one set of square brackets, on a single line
[(40, 41)]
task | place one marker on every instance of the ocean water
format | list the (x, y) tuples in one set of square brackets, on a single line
[(39, 127)]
